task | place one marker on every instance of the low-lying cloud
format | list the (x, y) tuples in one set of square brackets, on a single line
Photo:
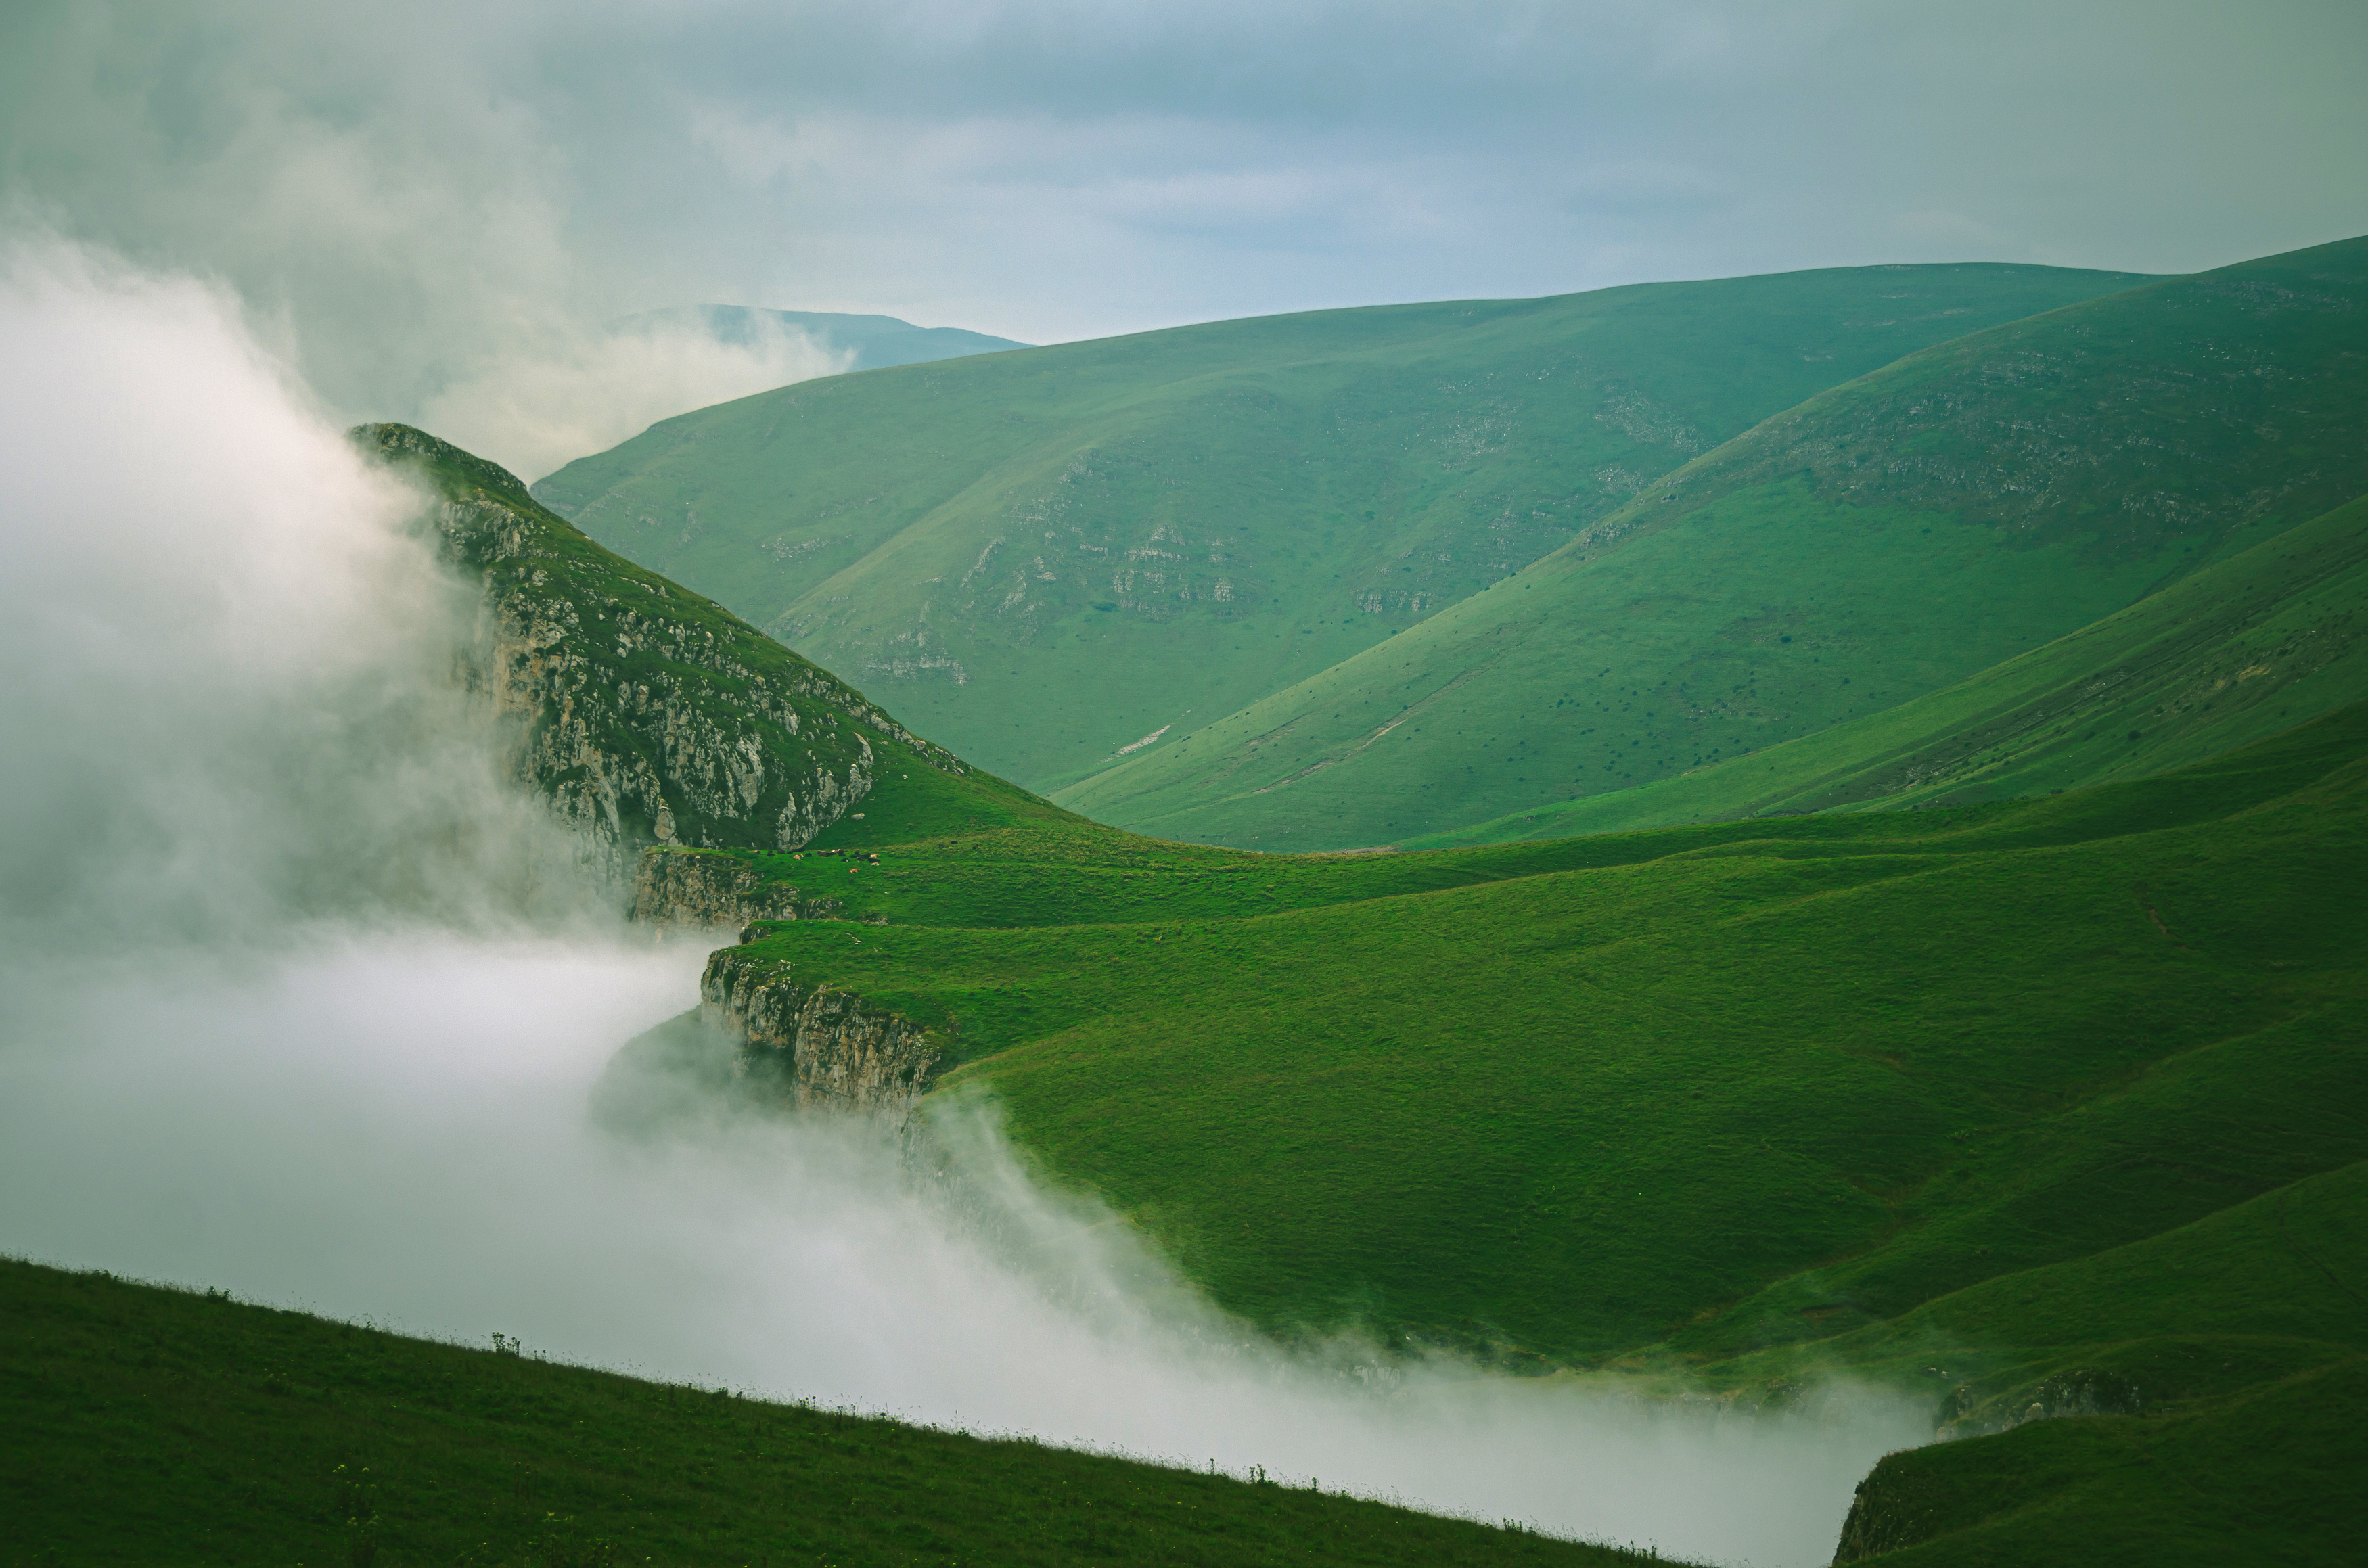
[(570, 391), (238, 702), (396, 1127), (298, 996), (401, 207)]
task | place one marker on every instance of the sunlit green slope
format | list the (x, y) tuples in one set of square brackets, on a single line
[(141, 1425), (2240, 649), (1887, 539), (1042, 558), (1742, 1082), (2050, 1108)]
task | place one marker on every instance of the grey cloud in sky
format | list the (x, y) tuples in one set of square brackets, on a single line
[(437, 204)]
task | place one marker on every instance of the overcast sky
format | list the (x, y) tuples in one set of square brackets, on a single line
[(419, 195)]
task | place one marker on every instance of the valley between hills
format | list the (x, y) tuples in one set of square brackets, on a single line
[(1714, 838)]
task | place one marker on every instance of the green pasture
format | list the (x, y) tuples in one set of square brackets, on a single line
[(2233, 1349), (1984, 1101), (1716, 1088), (2238, 650)]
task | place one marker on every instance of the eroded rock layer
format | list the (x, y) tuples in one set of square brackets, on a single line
[(693, 887), (649, 715), (815, 1046)]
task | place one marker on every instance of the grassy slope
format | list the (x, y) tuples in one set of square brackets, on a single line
[(2241, 649), (1056, 553), (1884, 539), (1981, 1099), (2258, 1478), (145, 1425), (1725, 1086)]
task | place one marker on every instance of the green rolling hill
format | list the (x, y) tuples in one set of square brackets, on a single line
[(1883, 540), (1718, 1087), (1058, 558), (2240, 649), (2051, 1108)]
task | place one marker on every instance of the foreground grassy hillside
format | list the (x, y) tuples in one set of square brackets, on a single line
[(1049, 556), (1884, 539), (2241, 649), (147, 1425)]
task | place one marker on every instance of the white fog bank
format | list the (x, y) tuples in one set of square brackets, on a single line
[(233, 702), (297, 998), (396, 1127), (569, 391)]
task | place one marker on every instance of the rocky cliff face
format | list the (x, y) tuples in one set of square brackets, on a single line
[(814, 1046), (2078, 1390), (647, 714), (696, 887), (663, 728)]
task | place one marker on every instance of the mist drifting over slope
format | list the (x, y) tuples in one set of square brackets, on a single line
[(299, 998), (239, 705)]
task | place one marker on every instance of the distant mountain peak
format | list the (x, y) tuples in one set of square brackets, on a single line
[(875, 342)]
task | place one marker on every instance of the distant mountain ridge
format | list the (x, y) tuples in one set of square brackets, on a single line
[(874, 342), (1883, 540), (1069, 556)]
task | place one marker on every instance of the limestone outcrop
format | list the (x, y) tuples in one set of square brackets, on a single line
[(812, 1045), (646, 714), (665, 729), (698, 887)]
